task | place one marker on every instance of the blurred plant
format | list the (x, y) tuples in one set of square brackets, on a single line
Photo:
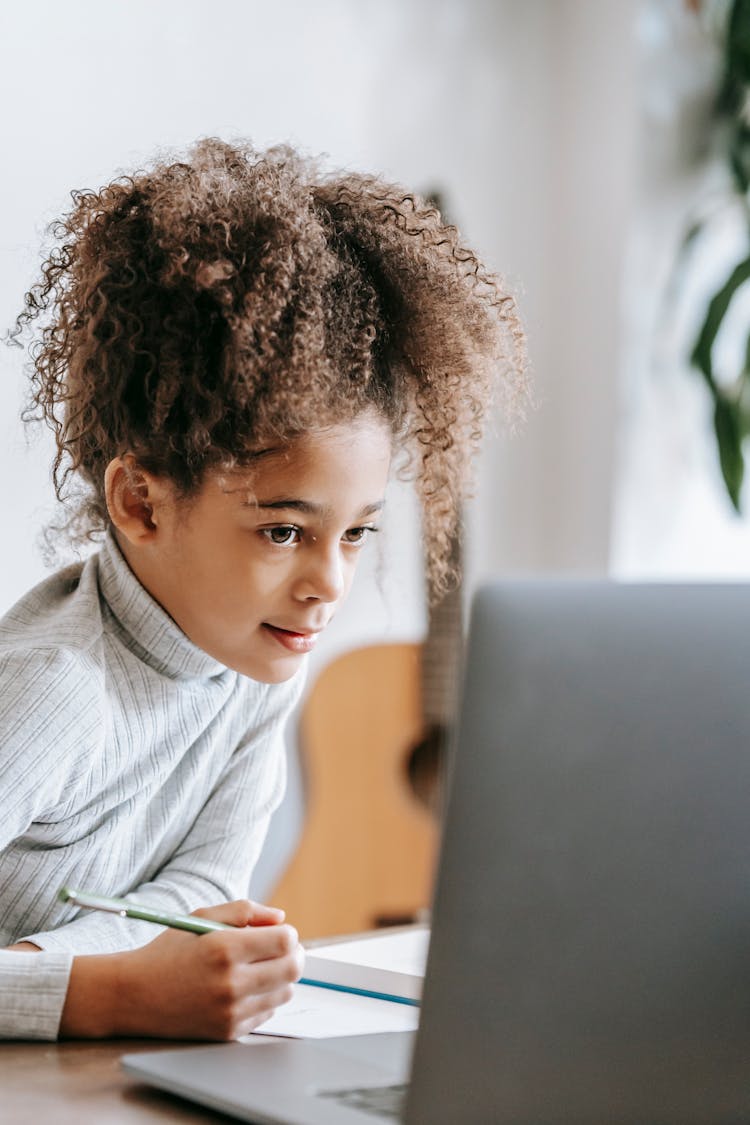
[(731, 401)]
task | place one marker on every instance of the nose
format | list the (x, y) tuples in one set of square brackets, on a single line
[(322, 578)]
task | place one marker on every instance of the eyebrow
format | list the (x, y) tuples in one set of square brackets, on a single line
[(307, 507)]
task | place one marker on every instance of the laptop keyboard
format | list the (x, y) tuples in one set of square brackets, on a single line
[(381, 1101)]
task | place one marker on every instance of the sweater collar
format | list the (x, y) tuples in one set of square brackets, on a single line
[(147, 629)]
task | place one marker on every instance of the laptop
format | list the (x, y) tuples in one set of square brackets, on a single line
[(590, 950)]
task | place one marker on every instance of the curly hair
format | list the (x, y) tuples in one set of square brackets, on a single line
[(193, 310)]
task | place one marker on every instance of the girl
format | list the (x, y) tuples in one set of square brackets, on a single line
[(230, 348)]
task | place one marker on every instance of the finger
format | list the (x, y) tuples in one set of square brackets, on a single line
[(264, 943), (266, 915), (248, 1012), (264, 977), (226, 950), (242, 912), (248, 1026), (258, 1009)]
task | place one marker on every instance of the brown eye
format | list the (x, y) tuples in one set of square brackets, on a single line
[(282, 536), (358, 535)]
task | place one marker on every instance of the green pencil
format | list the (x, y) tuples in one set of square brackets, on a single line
[(127, 909)]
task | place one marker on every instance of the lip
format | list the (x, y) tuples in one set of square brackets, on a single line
[(292, 641)]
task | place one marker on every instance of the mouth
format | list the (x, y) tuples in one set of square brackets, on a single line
[(293, 642)]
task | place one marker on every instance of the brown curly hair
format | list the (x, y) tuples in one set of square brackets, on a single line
[(195, 309)]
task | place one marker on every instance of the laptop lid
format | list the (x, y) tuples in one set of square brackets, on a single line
[(590, 956)]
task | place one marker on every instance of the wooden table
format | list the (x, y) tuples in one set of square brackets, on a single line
[(82, 1083)]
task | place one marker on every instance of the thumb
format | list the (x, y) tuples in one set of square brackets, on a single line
[(243, 912)]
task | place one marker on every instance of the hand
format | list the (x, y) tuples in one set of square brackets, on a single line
[(219, 985)]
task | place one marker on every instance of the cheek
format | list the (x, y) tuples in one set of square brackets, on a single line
[(350, 570)]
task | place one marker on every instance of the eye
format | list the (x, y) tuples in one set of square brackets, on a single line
[(282, 536), (357, 536)]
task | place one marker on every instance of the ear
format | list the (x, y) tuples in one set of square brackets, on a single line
[(135, 499)]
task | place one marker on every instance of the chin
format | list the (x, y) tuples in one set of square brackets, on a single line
[(269, 674)]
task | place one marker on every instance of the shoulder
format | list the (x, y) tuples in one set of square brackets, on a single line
[(59, 612), (51, 651)]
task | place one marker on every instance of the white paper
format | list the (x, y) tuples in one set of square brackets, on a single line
[(320, 1013), (402, 951)]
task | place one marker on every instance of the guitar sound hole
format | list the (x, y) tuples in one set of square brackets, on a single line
[(384, 921), (425, 766)]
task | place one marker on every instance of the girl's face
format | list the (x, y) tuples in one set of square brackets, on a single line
[(254, 567)]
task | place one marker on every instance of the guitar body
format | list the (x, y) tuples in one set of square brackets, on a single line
[(368, 846)]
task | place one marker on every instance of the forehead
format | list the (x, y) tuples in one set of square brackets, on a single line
[(346, 460)]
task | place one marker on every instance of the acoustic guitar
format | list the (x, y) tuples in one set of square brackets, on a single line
[(371, 744)]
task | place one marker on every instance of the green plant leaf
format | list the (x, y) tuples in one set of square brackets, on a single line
[(738, 41), (701, 355), (744, 396), (739, 159), (731, 405), (728, 427)]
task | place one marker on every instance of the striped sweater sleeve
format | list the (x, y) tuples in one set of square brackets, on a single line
[(45, 716), (33, 987)]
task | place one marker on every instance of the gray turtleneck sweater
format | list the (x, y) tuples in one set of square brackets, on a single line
[(131, 764)]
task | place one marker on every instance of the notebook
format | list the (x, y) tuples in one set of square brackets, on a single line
[(590, 950), (388, 965)]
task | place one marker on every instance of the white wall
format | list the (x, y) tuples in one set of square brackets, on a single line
[(520, 111)]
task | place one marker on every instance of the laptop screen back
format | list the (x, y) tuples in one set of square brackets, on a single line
[(590, 958)]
